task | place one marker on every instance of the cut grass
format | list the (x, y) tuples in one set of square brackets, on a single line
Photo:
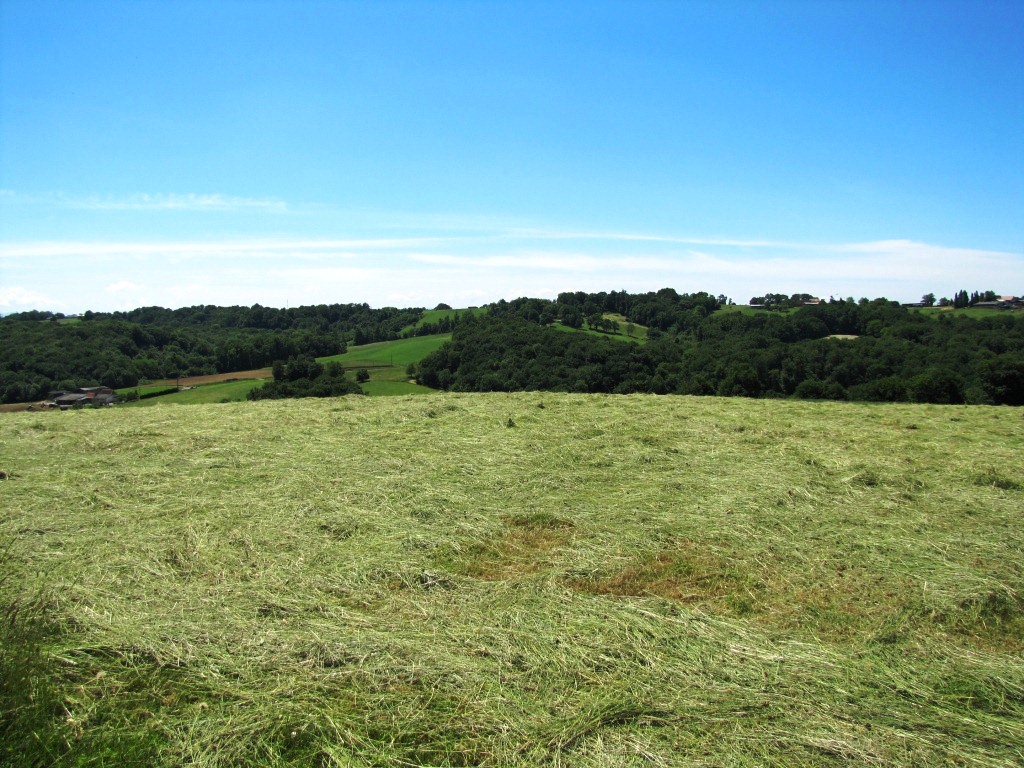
[(615, 581)]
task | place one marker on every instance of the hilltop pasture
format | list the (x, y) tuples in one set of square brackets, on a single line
[(513, 580)]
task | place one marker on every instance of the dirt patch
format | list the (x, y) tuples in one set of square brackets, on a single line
[(687, 572), (521, 548), (216, 378)]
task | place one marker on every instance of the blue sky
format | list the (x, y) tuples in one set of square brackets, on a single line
[(408, 153)]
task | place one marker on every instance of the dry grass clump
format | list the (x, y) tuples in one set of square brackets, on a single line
[(523, 545), (686, 572), (613, 581)]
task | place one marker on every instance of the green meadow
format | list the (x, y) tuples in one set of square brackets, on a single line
[(513, 580), (437, 315), (227, 391), (626, 331), (396, 354), (387, 363)]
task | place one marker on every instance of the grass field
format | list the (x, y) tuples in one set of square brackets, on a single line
[(224, 392), (387, 363), (385, 388), (513, 580), (145, 389), (639, 334), (397, 354)]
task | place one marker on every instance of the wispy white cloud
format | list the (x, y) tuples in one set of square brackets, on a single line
[(144, 201), (576, 260), (911, 249), (176, 202), (345, 248), (568, 234), (424, 269), (125, 286)]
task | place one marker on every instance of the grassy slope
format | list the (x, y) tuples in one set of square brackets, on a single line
[(437, 315), (638, 336), (479, 580), (396, 354), (387, 361)]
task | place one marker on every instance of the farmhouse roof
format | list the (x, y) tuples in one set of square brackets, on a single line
[(71, 398)]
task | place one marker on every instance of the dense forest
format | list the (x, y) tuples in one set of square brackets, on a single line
[(841, 349), (302, 376), (42, 351)]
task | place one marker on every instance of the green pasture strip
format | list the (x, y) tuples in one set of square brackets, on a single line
[(143, 390), (392, 353), (228, 391), (639, 331), (636, 338), (396, 373), (528, 579)]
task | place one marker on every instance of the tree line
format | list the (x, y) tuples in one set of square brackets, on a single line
[(696, 343), (303, 376), (841, 349)]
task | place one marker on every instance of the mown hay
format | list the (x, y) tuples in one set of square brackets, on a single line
[(615, 581)]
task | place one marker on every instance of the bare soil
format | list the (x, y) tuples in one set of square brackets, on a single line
[(217, 378)]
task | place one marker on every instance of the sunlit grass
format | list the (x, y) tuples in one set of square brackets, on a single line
[(396, 354), (525, 579), (229, 391)]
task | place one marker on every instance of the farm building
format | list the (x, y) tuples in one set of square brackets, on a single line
[(83, 396)]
